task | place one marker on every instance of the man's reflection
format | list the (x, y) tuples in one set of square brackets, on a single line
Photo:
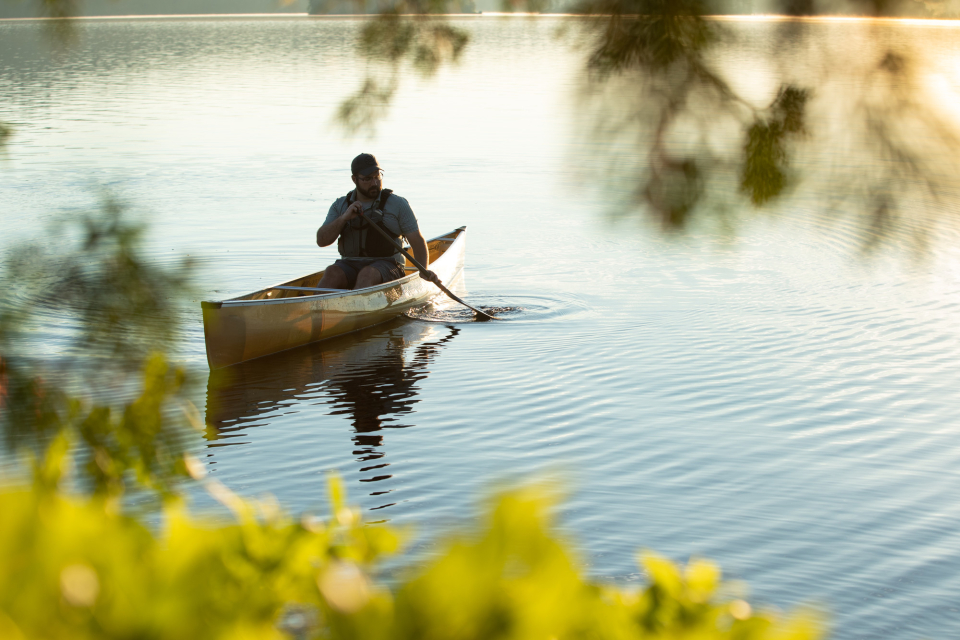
[(371, 376), (378, 394)]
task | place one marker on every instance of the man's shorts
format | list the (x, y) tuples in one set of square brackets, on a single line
[(387, 267)]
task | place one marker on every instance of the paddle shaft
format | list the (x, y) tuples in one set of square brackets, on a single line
[(422, 269)]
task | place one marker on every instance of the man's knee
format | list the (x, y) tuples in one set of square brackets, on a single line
[(368, 277), (334, 278)]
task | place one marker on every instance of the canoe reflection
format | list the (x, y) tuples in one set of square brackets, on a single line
[(371, 377)]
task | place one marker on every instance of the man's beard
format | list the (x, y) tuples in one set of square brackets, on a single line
[(370, 192)]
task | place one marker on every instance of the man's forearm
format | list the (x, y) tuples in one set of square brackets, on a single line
[(328, 233), (419, 246)]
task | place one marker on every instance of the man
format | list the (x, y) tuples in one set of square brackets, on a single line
[(366, 257)]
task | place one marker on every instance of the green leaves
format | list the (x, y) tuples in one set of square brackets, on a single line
[(411, 34), (362, 110), (764, 174), (78, 569), (75, 568), (122, 300), (651, 34), (123, 303), (142, 441), (124, 310)]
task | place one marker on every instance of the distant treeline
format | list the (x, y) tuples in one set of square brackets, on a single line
[(370, 7), (34, 8)]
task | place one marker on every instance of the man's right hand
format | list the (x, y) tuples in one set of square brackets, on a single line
[(328, 233), (430, 276), (355, 210)]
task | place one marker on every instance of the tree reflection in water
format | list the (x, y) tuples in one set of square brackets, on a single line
[(370, 376)]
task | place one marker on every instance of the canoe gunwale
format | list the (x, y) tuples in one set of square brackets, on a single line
[(233, 302), (239, 301)]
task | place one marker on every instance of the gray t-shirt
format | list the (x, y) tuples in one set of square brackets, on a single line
[(398, 217)]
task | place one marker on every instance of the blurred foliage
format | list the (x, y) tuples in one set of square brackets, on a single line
[(517, 579), (140, 447), (79, 564), (764, 173), (653, 79), (659, 101), (121, 309), (91, 268), (140, 440), (76, 568), (665, 49), (407, 35), (653, 34), (58, 8), (59, 27)]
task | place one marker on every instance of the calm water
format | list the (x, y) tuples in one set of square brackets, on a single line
[(764, 398)]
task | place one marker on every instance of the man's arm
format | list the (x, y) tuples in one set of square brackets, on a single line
[(420, 252), (330, 231)]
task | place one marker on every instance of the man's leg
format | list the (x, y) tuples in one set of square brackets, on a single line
[(369, 276), (334, 278)]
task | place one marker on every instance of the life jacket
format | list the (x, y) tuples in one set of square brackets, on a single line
[(372, 244)]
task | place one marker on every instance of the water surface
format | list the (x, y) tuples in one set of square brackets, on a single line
[(765, 398)]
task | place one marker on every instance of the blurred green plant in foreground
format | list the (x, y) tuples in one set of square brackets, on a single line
[(74, 568), (80, 562)]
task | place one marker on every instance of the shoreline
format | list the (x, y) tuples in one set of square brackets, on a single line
[(480, 14)]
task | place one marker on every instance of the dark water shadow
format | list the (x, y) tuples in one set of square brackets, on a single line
[(371, 377)]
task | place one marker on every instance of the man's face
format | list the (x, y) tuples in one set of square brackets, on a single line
[(369, 186)]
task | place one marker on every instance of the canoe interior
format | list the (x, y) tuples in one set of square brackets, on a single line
[(436, 247)]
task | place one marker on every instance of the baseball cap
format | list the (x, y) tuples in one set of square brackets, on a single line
[(364, 164)]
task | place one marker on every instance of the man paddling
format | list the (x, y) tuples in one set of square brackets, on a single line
[(366, 257)]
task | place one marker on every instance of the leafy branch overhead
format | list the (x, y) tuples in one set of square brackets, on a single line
[(765, 154), (651, 34), (653, 77), (412, 33)]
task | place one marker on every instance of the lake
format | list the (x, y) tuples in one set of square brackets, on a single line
[(765, 395)]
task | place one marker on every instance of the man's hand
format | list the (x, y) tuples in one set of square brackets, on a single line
[(419, 246), (430, 276), (328, 233), (353, 211)]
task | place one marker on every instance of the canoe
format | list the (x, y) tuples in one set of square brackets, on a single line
[(294, 313)]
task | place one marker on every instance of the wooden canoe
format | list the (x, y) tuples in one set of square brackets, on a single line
[(289, 314)]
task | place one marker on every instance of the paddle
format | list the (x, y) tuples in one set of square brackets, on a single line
[(481, 315)]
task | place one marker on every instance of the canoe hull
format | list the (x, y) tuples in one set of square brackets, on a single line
[(243, 329)]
